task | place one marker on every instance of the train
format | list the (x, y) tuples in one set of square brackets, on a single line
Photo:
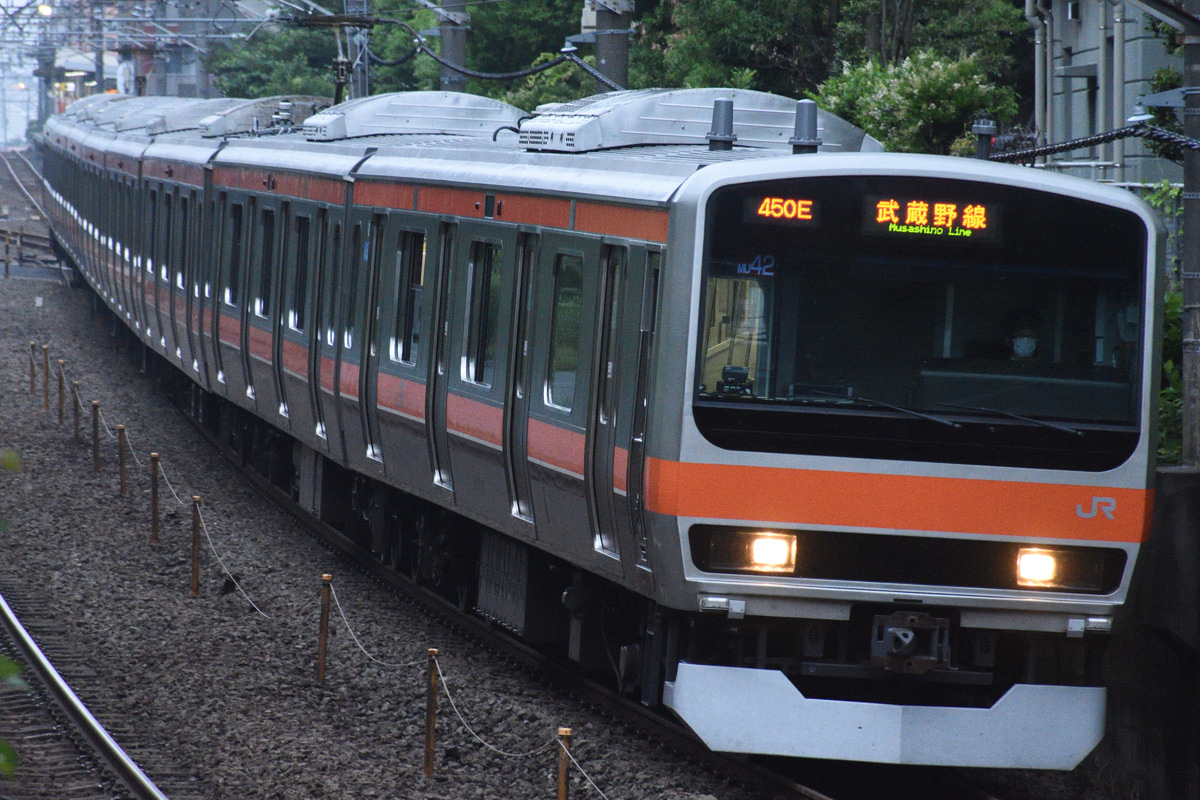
[(830, 452)]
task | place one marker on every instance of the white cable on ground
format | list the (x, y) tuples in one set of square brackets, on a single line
[(104, 422), (169, 486), (346, 622), (228, 574), (470, 730), (132, 452)]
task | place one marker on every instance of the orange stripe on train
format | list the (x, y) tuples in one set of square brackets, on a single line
[(903, 502)]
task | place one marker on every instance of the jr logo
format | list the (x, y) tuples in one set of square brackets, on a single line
[(1103, 505)]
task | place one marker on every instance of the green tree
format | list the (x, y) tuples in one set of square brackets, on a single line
[(889, 31), (283, 61), (781, 46), (555, 85), (919, 105)]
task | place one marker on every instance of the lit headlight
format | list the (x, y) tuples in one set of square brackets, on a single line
[(1036, 567), (772, 552), (1072, 569), (752, 551)]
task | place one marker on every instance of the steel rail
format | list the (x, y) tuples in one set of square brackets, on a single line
[(128, 772), (21, 184)]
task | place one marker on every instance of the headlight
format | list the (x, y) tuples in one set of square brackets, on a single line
[(1036, 567), (1079, 569), (753, 551)]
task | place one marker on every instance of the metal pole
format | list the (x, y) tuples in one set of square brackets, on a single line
[(612, 42), (154, 498), (454, 44), (564, 761), (323, 636), (431, 690), (1190, 246), (32, 368)]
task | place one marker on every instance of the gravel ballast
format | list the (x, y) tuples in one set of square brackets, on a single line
[(228, 692)]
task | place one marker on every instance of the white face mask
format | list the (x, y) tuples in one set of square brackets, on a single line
[(1023, 346)]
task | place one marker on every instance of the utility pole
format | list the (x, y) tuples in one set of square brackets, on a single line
[(98, 38), (612, 41), (1190, 272), (356, 38), (453, 25)]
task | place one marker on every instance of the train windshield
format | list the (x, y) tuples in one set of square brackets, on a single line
[(921, 319)]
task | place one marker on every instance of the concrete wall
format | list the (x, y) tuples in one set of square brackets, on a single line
[(1152, 746)]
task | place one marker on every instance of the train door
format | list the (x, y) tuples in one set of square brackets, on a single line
[(179, 286), (639, 402), (278, 318), (602, 444), (295, 340), (439, 363), (516, 421), (370, 344), (246, 392), (327, 346), (316, 336)]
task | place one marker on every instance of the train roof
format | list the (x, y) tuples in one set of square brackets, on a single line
[(639, 145)]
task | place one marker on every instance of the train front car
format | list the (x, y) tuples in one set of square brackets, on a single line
[(915, 460)]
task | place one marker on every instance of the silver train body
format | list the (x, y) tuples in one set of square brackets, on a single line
[(841, 454)]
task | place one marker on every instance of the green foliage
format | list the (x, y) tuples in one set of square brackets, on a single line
[(985, 29), (10, 675), (285, 61), (1170, 396), (782, 46), (557, 84), (1165, 198), (10, 460), (920, 105)]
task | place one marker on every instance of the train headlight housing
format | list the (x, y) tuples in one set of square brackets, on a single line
[(1072, 569), (773, 552), (753, 551), (1036, 567)]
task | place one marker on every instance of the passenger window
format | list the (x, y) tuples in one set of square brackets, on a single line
[(232, 288), (410, 277), (483, 296), (263, 304), (184, 240), (299, 313), (167, 239), (564, 331), (351, 286)]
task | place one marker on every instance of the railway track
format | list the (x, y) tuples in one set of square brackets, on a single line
[(71, 755)]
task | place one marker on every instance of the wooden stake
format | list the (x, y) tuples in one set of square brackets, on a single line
[(45, 377), (431, 692), (323, 635), (564, 761)]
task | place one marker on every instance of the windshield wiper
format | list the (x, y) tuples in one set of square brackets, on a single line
[(1045, 424), (866, 401)]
